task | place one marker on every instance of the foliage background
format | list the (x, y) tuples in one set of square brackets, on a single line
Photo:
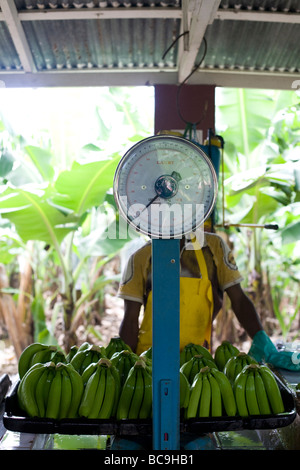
[(63, 271), (261, 130), (58, 157)]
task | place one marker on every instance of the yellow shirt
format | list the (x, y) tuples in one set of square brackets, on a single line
[(222, 270)]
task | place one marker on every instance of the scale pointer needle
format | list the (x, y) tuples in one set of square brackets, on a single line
[(149, 203)]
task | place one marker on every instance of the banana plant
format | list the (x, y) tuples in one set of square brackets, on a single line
[(261, 133), (54, 212)]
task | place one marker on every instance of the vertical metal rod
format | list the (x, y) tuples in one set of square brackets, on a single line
[(165, 343)]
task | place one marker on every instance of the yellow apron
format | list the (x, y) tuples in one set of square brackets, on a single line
[(196, 310)]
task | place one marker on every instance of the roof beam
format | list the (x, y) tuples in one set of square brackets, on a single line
[(10, 15), (202, 13), (97, 14), (251, 15), (219, 78)]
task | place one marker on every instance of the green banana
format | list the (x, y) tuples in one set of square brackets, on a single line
[(123, 361), (235, 364), (116, 377), (272, 389), (66, 394), (138, 395), (109, 395), (216, 397), (116, 344), (25, 360), (50, 376), (205, 399), (197, 365), (189, 352), (251, 398), (195, 394), (88, 371), (128, 364), (99, 394), (42, 356), (26, 390), (261, 394), (126, 395), (83, 358), (223, 353), (228, 398), (146, 406), (118, 363), (186, 369), (240, 392), (71, 353), (84, 346), (39, 393), (54, 398), (182, 357), (77, 391), (220, 358), (184, 393), (89, 394)]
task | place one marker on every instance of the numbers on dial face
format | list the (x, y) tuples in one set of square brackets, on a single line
[(165, 186)]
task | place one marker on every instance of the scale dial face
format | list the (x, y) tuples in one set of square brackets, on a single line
[(165, 186)]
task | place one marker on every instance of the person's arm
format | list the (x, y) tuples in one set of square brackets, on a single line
[(129, 327), (244, 310), (262, 348)]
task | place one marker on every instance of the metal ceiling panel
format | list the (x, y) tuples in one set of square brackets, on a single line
[(9, 59), (291, 6), (115, 42), (97, 44), (79, 4), (250, 46)]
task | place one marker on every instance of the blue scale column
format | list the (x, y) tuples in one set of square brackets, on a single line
[(165, 342)]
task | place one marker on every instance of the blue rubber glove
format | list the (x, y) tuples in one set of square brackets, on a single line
[(262, 349)]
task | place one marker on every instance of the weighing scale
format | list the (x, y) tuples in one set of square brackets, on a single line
[(165, 187)]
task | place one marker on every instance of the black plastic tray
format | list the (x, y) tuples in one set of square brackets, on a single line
[(14, 420)]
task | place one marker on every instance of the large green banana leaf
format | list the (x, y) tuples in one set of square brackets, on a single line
[(34, 217), (85, 186), (50, 214)]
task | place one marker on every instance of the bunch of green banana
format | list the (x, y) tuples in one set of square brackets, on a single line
[(194, 365), (33, 354), (136, 396), (84, 357), (235, 364), (191, 350), (184, 391), (116, 344), (50, 391), (257, 392), (101, 391), (224, 352), (211, 395), (123, 361)]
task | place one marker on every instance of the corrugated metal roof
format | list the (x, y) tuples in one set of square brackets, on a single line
[(69, 4), (238, 45), (291, 6), (99, 38), (108, 43)]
